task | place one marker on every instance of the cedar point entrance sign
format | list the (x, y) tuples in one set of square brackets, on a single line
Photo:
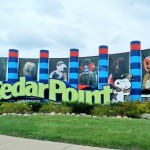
[(38, 76), (30, 88)]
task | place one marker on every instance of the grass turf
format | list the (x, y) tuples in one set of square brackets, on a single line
[(132, 134)]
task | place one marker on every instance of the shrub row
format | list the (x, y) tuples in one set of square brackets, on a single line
[(57, 108), (129, 109), (14, 108), (79, 107)]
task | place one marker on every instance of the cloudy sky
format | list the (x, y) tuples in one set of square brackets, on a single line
[(58, 25)]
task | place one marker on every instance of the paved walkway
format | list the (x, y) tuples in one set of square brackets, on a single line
[(15, 143)]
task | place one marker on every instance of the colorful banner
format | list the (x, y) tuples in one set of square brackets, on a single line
[(58, 68), (88, 71), (3, 68), (28, 68), (119, 76), (118, 66), (145, 69)]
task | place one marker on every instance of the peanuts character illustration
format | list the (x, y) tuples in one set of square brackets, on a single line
[(122, 87), (29, 70), (146, 79), (60, 72), (88, 74), (119, 68)]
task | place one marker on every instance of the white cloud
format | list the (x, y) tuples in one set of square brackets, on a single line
[(53, 8), (31, 25)]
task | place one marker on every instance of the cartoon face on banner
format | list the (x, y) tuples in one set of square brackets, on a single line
[(119, 76), (28, 68), (146, 70), (59, 68), (122, 89), (3, 67), (88, 73)]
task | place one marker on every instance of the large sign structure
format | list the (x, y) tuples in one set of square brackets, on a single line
[(54, 87), (125, 74)]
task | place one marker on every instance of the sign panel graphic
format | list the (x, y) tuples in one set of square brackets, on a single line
[(58, 68), (3, 68), (88, 71), (28, 68), (146, 70), (119, 76), (118, 66)]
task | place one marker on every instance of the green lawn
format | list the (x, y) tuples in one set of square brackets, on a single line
[(100, 132)]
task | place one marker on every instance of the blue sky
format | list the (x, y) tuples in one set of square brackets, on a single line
[(58, 25)]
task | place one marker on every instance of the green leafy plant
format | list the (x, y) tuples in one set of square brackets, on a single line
[(64, 109), (101, 110), (130, 109), (79, 107), (1, 103), (35, 106), (15, 108), (117, 111), (1, 110), (135, 109), (57, 108)]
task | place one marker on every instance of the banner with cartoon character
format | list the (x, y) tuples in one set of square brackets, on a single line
[(3, 68), (145, 69), (58, 68), (88, 71), (28, 68), (119, 76)]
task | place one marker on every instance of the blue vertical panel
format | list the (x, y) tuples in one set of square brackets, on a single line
[(12, 75), (103, 66), (44, 67), (73, 67), (135, 70)]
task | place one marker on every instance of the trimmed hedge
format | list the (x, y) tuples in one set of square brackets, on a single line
[(129, 109), (19, 108), (51, 107), (35, 106), (79, 107)]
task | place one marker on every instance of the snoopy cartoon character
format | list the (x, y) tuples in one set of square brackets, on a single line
[(122, 88), (60, 72)]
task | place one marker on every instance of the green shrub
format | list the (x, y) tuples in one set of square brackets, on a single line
[(57, 108), (35, 106), (135, 109), (1, 110), (108, 110), (133, 113), (130, 109), (1, 103), (116, 104), (101, 110), (47, 108), (15, 108), (117, 111), (148, 106), (144, 107), (64, 109), (79, 107)]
